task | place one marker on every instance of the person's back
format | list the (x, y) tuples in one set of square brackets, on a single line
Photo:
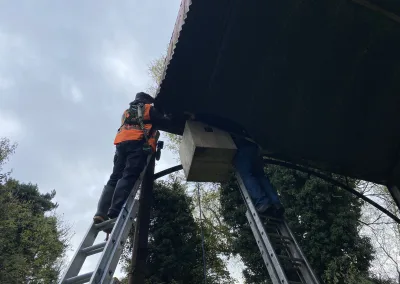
[(135, 140)]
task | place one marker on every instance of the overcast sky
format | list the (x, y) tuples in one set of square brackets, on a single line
[(67, 71)]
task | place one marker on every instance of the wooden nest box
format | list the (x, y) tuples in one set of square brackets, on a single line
[(206, 153)]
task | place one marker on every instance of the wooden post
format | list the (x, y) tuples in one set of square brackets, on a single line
[(139, 252)]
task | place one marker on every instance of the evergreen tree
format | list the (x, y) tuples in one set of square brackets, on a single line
[(324, 219), (243, 242), (32, 240), (175, 246), (6, 150)]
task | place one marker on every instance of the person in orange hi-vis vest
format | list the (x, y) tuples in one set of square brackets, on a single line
[(132, 150)]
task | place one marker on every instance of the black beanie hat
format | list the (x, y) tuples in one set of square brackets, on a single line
[(144, 97)]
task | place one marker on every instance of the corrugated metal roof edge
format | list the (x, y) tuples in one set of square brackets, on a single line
[(179, 24)]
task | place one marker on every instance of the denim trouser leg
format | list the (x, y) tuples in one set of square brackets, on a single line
[(243, 162), (270, 190), (266, 185)]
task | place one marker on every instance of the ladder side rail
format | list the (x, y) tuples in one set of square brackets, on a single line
[(260, 228), (79, 258), (122, 221), (83, 278), (305, 268), (264, 253), (106, 267)]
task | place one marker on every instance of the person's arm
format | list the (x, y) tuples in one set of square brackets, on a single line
[(160, 121)]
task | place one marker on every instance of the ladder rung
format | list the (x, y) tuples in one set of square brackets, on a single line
[(283, 241), (79, 279), (291, 267), (271, 219), (272, 227), (280, 245), (291, 259), (106, 224), (94, 249), (278, 236)]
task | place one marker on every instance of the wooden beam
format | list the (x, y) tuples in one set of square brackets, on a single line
[(139, 252)]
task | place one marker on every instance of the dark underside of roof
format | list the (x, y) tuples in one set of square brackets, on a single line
[(312, 82)]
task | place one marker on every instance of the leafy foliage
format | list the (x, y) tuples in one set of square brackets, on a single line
[(383, 231), (217, 232), (212, 224), (324, 219), (32, 239), (175, 249), (29, 193), (243, 243), (156, 68), (6, 149), (31, 243)]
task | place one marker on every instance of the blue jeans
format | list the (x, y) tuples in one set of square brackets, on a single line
[(250, 167)]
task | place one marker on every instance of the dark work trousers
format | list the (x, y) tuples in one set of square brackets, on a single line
[(129, 162)]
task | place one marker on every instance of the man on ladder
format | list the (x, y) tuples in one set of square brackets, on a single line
[(135, 140)]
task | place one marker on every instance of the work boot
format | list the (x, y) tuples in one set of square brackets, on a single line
[(104, 204), (121, 194), (279, 210), (265, 209)]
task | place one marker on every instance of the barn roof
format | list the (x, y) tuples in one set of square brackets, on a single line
[(312, 82)]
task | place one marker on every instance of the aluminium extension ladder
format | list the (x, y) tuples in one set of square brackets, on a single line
[(285, 262), (111, 250)]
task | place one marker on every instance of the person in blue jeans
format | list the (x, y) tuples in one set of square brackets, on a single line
[(250, 166)]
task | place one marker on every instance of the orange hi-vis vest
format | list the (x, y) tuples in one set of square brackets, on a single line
[(134, 132)]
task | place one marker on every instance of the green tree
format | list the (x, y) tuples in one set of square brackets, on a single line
[(6, 149), (242, 242), (383, 231), (326, 226), (214, 227), (175, 248), (156, 69), (33, 240), (28, 192), (324, 219)]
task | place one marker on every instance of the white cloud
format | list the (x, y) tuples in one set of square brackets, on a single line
[(47, 60), (5, 83), (123, 63), (76, 94), (70, 90), (9, 41), (15, 50), (10, 125)]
